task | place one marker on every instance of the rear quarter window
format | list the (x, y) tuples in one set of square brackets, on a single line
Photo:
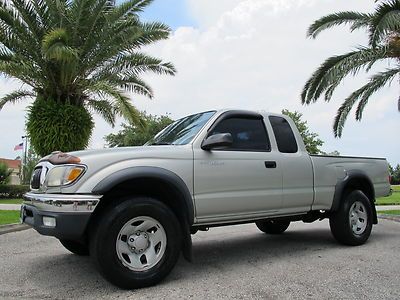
[(284, 135)]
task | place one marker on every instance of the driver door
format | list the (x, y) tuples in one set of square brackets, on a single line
[(242, 179)]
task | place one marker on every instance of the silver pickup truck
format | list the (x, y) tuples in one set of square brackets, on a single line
[(134, 209)]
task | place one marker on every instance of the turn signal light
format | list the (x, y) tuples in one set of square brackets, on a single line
[(74, 174)]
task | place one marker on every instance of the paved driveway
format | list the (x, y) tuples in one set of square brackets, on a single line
[(236, 262)]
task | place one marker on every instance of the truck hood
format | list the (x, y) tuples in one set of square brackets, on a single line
[(110, 155)]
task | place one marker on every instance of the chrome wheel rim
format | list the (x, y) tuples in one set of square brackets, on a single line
[(358, 218), (141, 243)]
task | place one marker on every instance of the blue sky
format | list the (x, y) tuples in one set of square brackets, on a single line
[(175, 13)]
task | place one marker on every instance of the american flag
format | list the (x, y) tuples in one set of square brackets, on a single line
[(19, 147)]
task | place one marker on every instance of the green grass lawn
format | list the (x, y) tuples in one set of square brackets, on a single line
[(389, 212), (9, 216), (396, 188), (393, 199), (10, 201)]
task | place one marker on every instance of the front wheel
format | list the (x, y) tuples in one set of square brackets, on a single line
[(272, 226), (352, 223), (137, 243)]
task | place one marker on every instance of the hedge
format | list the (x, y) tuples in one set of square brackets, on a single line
[(12, 191)]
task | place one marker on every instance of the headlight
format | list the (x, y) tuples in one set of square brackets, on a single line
[(63, 175)]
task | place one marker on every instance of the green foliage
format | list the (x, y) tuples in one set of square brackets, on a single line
[(395, 174), (132, 135), (383, 27), (55, 126), (31, 161), (85, 53), (5, 174), (311, 139), (13, 191)]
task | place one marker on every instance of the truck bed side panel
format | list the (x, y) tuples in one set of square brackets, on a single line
[(329, 170)]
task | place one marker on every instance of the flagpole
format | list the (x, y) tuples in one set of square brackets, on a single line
[(24, 159)]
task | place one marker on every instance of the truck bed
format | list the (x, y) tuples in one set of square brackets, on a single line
[(331, 169)]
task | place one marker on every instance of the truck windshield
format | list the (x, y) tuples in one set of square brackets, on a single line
[(182, 131)]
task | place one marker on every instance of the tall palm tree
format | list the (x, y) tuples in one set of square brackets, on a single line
[(383, 27), (76, 58)]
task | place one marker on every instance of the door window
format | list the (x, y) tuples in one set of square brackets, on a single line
[(247, 134)]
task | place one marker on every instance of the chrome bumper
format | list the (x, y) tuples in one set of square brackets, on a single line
[(70, 214), (62, 203)]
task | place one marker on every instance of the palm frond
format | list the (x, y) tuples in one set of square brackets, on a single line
[(329, 75), (356, 19), (15, 96), (28, 14), (82, 14), (132, 83), (128, 8), (385, 20), (13, 31), (135, 63), (104, 109), (120, 102), (55, 46), (363, 94)]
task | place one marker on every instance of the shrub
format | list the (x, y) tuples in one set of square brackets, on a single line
[(13, 191), (56, 126), (5, 174)]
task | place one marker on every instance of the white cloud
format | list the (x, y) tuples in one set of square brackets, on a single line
[(254, 54)]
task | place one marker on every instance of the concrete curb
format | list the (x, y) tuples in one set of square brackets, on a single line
[(389, 217), (12, 228)]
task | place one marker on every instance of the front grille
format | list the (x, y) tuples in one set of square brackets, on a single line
[(35, 182)]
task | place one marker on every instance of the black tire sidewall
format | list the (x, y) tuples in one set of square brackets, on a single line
[(103, 245), (273, 227), (340, 221)]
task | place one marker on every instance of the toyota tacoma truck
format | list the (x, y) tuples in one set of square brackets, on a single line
[(134, 209)]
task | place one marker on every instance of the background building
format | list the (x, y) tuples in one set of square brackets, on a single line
[(15, 166)]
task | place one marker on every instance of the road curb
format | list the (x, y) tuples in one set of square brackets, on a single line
[(389, 217), (12, 228)]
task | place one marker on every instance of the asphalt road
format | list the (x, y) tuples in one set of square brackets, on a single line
[(236, 262)]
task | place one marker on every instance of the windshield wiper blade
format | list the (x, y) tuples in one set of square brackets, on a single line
[(160, 144)]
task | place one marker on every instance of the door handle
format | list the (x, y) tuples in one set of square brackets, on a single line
[(270, 164)]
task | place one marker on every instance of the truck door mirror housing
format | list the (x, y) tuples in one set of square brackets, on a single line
[(217, 140)]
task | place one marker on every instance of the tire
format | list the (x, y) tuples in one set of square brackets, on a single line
[(352, 223), (75, 247), (273, 227), (136, 243)]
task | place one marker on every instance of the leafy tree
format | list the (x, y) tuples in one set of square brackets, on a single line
[(394, 174), (5, 173), (31, 161), (383, 27), (311, 139), (333, 153), (133, 135), (78, 57)]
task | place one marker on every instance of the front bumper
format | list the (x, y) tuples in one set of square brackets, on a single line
[(70, 213)]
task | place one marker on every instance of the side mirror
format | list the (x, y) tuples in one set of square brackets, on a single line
[(217, 140)]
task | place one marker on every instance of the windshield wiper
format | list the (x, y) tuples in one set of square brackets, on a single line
[(159, 144)]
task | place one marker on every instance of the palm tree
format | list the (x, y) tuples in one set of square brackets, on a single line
[(383, 27), (76, 58)]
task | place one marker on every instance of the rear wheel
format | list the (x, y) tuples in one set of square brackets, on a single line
[(137, 243), (273, 227), (75, 247), (352, 223)]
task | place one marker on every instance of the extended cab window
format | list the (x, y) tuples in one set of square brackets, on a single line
[(247, 134), (284, 135)]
